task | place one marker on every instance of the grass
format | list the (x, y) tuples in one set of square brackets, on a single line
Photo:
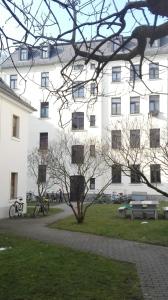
[(32, 270), (52, 211), (103, 220)]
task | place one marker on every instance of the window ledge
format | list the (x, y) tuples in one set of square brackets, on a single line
[(17, 139), (118, 82), (136, 114), (44, 118), (151, 79), (116, 115), (78, 130)]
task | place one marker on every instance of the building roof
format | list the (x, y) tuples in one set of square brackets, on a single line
[(5, 89), (63, 53)]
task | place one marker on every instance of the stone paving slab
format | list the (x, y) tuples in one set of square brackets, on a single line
[(151, 261)]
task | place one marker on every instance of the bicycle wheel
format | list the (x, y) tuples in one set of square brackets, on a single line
[(36, 211), (45, 209), (12, 211)]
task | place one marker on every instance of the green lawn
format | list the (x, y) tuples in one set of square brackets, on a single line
[(32, 270), (103, 219), (52, 210)]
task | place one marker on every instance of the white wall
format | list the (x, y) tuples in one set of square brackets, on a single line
[(13, 156)]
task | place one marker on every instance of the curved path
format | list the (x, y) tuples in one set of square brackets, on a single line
[(151, 261)]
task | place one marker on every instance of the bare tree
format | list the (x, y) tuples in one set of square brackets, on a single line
[(140, 153), (67, 158), (38, 164)]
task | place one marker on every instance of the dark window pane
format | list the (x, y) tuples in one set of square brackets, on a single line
[(116, 174), (135, 176), (78, 121), (155, 173), (135, 138), (116, 139), (92, 183), (77, 154), (44, 109), (153, 71), (154, 104), (41, 173), (92, 120), (134, 105), (116, 106), (134, 72), (116, 74), (43, 140), (78, 90), (154, 137)]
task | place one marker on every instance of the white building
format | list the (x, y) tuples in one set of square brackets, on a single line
[(14, 117), (118, 100)]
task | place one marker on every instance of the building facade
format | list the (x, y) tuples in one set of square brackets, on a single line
[(123, 108), (14, 115)]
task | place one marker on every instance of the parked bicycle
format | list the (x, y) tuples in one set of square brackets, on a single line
[(41, 207), (16, 209)]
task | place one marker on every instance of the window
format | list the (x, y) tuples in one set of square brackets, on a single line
[(43, 140), (116, 139), (45, 79), (15, 126), (134, 72), (78, 90), (117, 43), (92, 66), (116, 106), (93, 88), (155, 173), (154, 104), (134, 105), (135, 138), (45, 52), (78, 67), (23, 54), (92, 183), (153, 70), (116, 173), (77, 121), (92, 120), (77, 154), (13, 81), (92, 151), (116, 74), (14, 183), (44, 109), (135, 176), (41, 173), (154, 138)]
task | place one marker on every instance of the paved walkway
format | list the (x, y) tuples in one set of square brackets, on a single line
[(151, 261)]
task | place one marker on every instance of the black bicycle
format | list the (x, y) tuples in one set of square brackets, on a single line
[(16, 209), (41, 207)]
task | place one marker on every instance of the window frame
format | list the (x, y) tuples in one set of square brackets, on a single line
[(44, 110), (154, 137), (135, 138), (78, 89), (13, 185), (23, 54), (43, 143), (116, 74), (116, 173), (75, 157), (135, 104), (134, 177), (42, 173), (155, 174), (92, 120), (92, 183), (13, 81), (116, 106), (154, 70), (15, 126), (154, 100), (134, 72), (116, 139), (78, 120), (45, 79)]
